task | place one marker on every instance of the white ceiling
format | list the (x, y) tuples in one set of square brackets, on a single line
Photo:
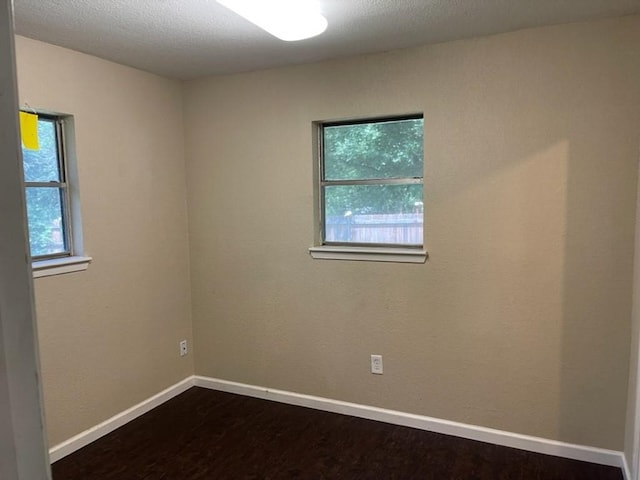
[(193, 38)]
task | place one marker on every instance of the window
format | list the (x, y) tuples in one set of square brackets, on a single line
[(370, 188), (51, 217)]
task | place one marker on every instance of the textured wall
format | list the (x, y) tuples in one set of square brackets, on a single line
[(109, 336), (520, 319)]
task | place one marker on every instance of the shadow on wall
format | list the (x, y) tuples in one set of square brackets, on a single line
[(553, 242), (598, 273)]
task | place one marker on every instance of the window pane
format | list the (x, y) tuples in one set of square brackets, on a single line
[(390, 214), (388, 149), (42, 165), (46, 228)]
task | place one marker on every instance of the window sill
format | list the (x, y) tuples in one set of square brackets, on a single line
[(370, 254), (58, 266)]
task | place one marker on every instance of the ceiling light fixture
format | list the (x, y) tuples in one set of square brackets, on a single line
[(288, 20)]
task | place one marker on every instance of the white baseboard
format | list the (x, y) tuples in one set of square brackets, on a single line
[(473, 432), (82, 439)]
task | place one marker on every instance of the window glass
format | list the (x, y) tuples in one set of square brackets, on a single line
[(355, 214), (388, 149), (371, 182), (42, 165), (45, 215)]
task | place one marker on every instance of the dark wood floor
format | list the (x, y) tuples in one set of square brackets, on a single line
[(203, 434)]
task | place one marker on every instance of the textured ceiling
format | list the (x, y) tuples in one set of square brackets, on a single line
[(194, 38)]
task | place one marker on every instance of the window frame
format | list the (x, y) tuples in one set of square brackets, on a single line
[(62, 186), (73, 258), (395, 252)]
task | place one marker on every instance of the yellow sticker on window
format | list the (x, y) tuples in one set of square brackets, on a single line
[(29, 130)]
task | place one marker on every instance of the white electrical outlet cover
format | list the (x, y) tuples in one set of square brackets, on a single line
[(376, 364)]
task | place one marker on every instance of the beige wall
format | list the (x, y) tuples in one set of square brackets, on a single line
[(520, 319), (109, 336)]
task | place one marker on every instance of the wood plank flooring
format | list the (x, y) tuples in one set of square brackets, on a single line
[(204, 434)]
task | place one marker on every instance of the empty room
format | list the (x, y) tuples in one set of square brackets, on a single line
[(399, 244)]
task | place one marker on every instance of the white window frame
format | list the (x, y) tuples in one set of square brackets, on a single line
[(352, 251), (73, 259)]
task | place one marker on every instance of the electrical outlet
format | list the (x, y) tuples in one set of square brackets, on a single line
[(376, 364), (183, 348)]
